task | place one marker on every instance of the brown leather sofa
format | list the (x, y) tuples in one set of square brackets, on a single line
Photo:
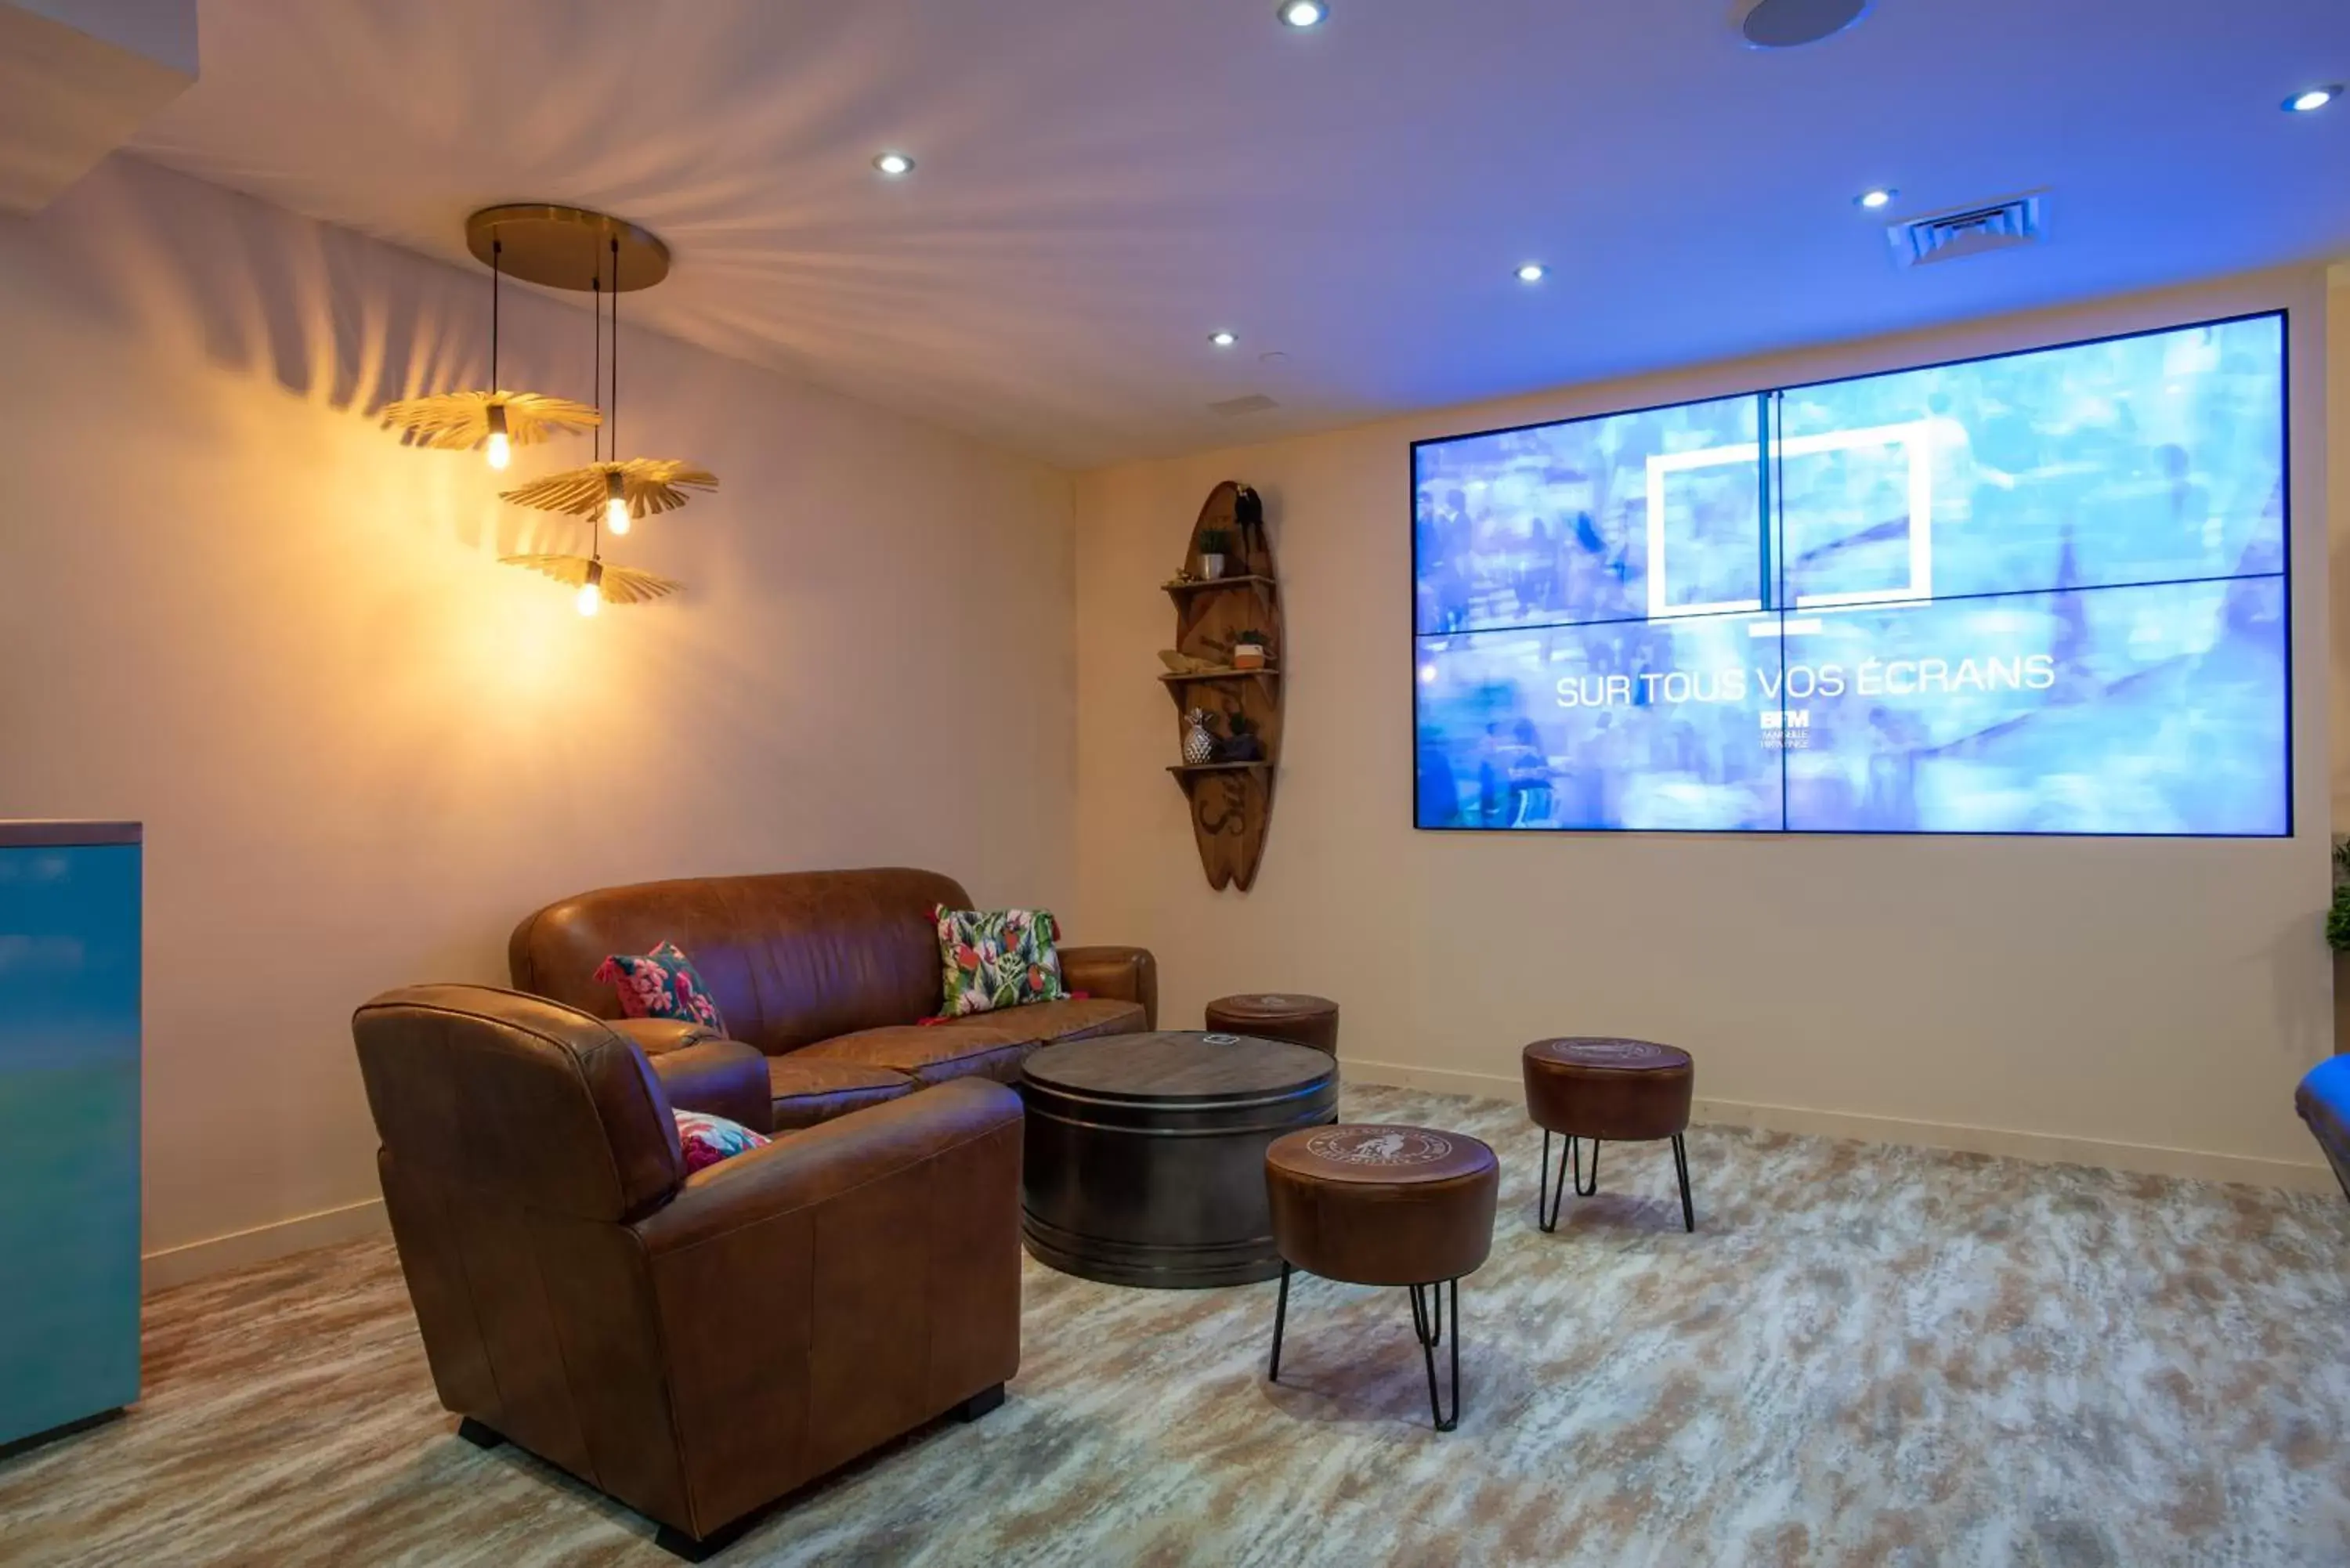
[(825, 974), (695, 1345)]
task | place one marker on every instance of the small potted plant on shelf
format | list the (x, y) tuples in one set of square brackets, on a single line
[(1215, 545), (1248, 649)]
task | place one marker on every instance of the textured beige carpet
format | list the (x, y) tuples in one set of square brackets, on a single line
[(1864, 1354)]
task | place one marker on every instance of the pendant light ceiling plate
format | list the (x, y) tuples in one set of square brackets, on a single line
[(567, 247)]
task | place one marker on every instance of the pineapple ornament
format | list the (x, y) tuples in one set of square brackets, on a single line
[(1198, 740)]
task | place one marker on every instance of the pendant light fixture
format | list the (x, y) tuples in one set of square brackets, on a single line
[(570, 247), (496, 420)]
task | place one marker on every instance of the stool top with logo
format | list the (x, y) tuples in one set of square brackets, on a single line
[(1382, 1156), (1611, 1054)]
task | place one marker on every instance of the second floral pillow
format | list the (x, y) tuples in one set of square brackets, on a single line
[(997, 958)]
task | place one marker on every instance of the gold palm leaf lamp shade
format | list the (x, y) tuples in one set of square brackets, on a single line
[(497, 420), (568, 247)]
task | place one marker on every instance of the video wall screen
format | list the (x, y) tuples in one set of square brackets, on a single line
[(2040, 593)]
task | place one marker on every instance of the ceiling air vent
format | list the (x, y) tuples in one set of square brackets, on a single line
[(1232, 407), (1966, 231)]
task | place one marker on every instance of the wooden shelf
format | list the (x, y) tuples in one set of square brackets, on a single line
[(1184, 590), (1268, 672)]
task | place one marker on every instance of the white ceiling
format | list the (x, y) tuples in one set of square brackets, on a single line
[(1101, 183)]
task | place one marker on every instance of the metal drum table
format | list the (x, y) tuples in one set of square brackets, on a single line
[(1146, 1153)]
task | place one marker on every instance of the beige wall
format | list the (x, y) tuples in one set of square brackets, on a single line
[(234, 609), (2140, 1003)]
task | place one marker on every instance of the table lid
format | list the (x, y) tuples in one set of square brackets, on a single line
[(1178, 1065)]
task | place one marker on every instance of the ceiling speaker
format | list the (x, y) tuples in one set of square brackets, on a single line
[(1791, 24)]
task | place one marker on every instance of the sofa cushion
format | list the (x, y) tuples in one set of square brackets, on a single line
[(1079, 1018), (933, 1053), (662, 983), (706, 1139), (991, 1047), (994, 958), (808, 1091)]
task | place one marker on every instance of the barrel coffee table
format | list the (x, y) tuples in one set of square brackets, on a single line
[(1144, 1153)]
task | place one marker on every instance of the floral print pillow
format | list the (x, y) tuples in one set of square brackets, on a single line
[(662, 983), (707, 1139), (998, 957)]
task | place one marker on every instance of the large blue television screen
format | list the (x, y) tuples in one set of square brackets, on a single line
[(2041, 593)]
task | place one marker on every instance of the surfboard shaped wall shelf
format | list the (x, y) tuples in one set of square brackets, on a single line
[(1216, 602)]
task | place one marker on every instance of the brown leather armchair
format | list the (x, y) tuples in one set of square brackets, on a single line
[(695, 1345)]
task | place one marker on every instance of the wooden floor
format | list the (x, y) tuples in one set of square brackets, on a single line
[(1864, 1354)]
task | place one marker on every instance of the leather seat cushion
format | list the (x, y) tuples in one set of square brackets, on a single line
[(807, 1092), (985, 1044)]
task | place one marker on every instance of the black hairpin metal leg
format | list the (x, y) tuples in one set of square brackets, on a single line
[(1428, 1314), (1280, 1319), (1680, 1164), (1549, 1195), (1580, 1190)]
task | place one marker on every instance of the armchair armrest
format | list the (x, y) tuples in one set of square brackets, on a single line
[(719, 1077), (808, 1169), (1128, 974)]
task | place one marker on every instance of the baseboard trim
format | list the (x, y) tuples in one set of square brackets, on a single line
[(159, 1271), (2149, 1160)]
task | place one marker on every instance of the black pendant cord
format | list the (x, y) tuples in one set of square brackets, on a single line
[(615, 348), (596, 515), (497, 247)]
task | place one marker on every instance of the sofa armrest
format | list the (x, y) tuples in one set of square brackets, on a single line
[(1127, 974), (657, 1037), (719, 1077)]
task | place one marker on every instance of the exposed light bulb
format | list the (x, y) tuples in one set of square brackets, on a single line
[(2312, 101), (501, 449), (1303, 12), (1223, 340), (590, 596), (1532, 272), (616, 504), (894, 165), (1876, 198)]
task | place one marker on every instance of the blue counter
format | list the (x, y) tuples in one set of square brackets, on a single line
[(68, 1123)]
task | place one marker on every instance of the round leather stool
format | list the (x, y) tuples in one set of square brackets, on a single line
[(1288, 1015), (1625, 1091), (1385, 1206)]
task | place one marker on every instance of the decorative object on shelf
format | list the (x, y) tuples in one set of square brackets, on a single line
[(1215, 545), (1198, 740), (1235, 596), (570, 247), (1248, 649), (496, 420), (1241, 743)]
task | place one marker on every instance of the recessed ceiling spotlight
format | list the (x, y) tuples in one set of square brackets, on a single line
[(1532, 272), (893, 164), (1877, 197), (1302, 13), (1223, 340), (2312, 99)]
